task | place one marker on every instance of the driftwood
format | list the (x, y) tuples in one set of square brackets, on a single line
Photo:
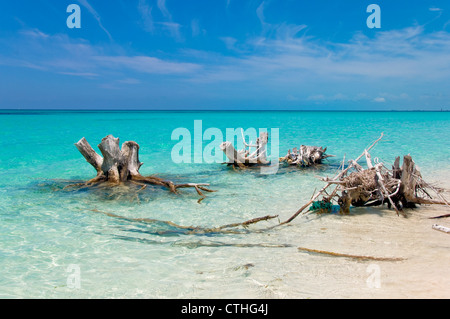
[(256, 154), (399, 187), (441, 228), (359, 257), (229, 228), (440, 216), (305, 156), (121, 165), (247, 156)]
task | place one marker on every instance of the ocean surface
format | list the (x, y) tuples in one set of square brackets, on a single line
[(70, 243)]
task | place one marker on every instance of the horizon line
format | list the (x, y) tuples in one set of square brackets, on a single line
[(220, 110)]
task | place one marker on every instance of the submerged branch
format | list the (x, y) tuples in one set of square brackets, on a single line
[(359, 257), (190, 229)]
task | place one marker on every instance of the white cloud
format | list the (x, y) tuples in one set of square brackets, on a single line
[(229, 42), (379, 99), (166, 25), (146, 15), (82, 74), (317, 98), (195, 27), (35, 33), (162, 7), (260, 13), (76, 57), (409, 54), (97, 17), (279, 30), (173, 29), (394, 66), (146, 64)]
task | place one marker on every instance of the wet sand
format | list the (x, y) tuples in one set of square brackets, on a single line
[(422, 272)]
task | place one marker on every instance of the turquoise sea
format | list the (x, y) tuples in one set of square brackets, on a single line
[(56, 243)]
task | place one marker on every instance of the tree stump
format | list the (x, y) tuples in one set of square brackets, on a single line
[(376, 185), (245, 158), (121, 164), (399, 187)]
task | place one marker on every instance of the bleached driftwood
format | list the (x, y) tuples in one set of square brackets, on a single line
[(256, 154), (121, 164), (399, 187), (234, 157), (305, 156), (441, 228), (250, 155)]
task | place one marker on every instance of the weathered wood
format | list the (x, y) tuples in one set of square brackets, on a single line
[(441, 228), (408, 179), (130, 153), (305, 156), (399, 188), (440, 216), (112, 159), (247, 157), (335, 178), (90, 155), (120, 165), (334, 254), (260, 155), (229, 228), (396, 171), (234, 157)]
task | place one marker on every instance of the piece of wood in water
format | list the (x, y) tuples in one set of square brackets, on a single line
[(330, 253)]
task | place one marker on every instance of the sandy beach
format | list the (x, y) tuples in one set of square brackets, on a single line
[(423, 272)]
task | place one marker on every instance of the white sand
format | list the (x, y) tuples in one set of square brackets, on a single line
[(424, 272)]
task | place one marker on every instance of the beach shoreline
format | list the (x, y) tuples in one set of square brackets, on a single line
[(424, 253)]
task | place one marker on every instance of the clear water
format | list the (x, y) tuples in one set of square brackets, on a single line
[(44, 230)]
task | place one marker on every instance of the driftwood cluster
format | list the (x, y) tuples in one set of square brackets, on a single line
[(305, 156), (120, 165), (398, 187), (256, 154)]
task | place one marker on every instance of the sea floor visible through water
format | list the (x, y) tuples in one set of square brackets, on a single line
[(56, 243)]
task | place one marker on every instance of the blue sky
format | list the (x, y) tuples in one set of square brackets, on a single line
[(225, 54)]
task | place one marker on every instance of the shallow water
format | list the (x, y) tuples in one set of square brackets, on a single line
[(47, 233)]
